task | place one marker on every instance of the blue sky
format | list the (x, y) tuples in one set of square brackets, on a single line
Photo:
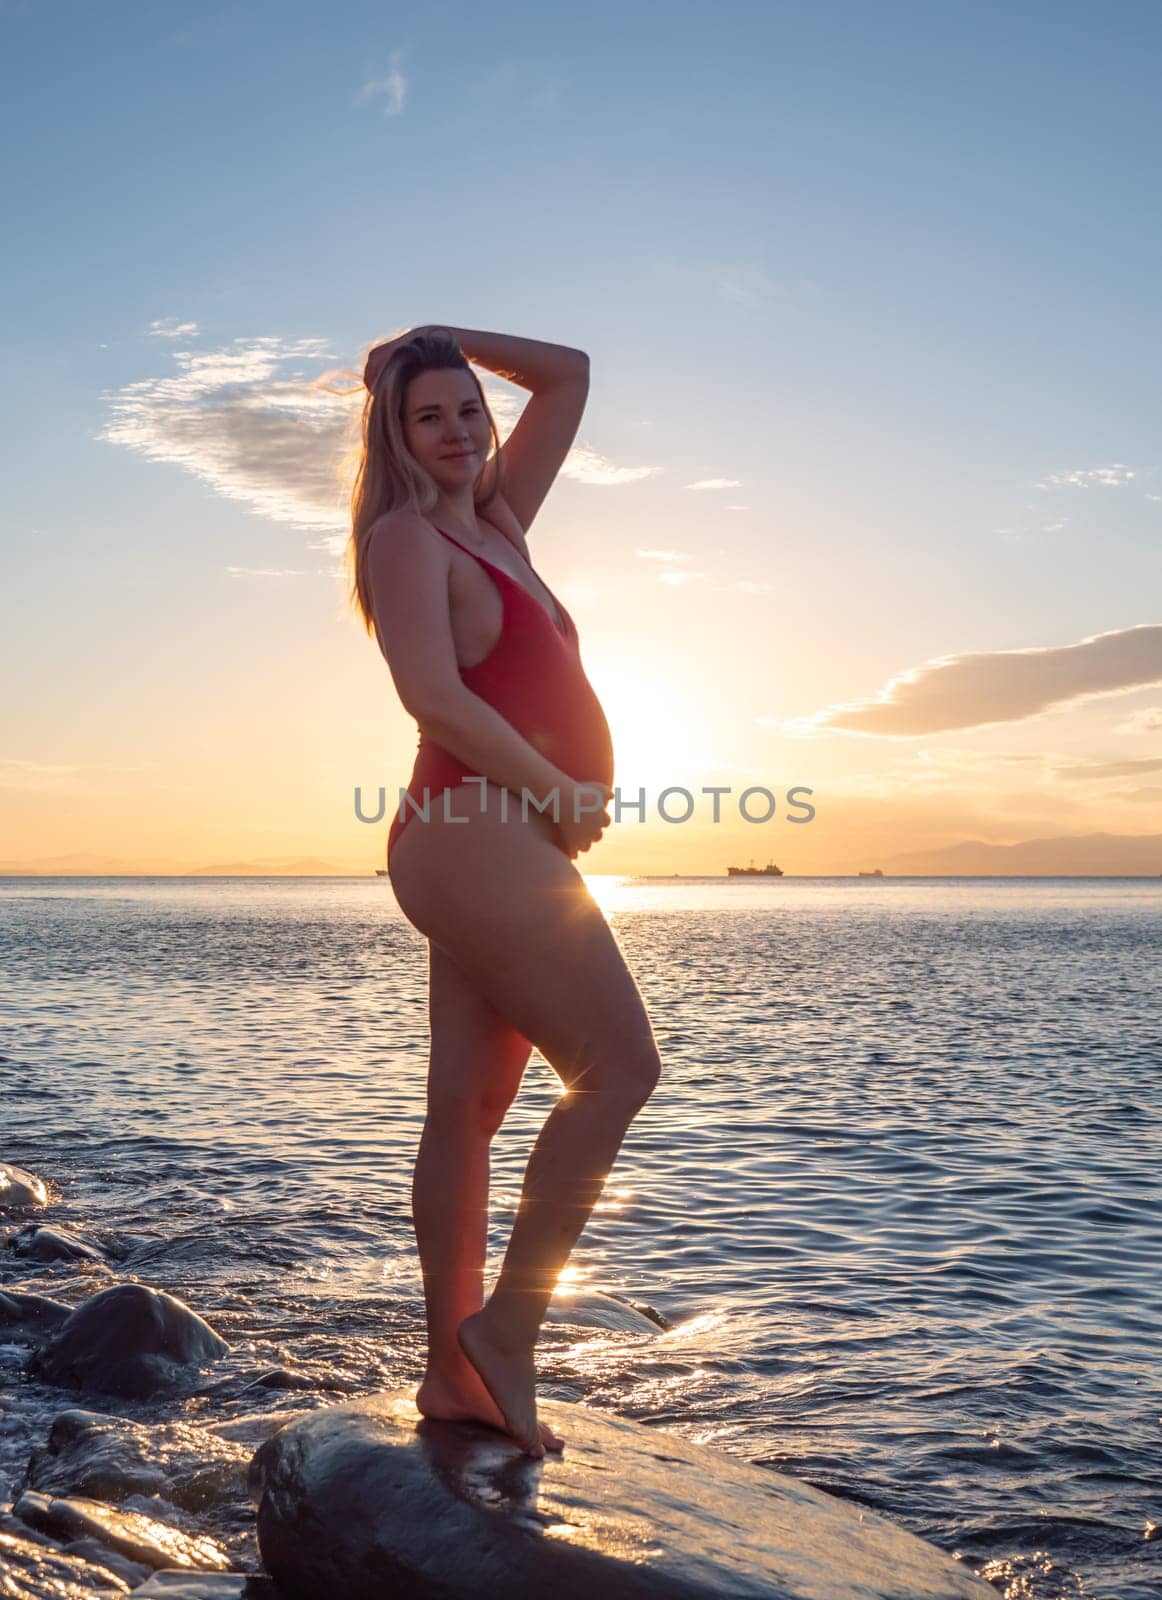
[(869, 293)]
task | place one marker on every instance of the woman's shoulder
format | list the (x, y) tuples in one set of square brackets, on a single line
[(402, 546)]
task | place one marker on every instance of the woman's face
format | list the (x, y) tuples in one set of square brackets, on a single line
[(446, 427)]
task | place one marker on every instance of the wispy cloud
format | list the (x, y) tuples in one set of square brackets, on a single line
[(16, 773), (746, 286), (518, 84), (1082, 770), (715, 483), (986, 687), (1088, 477), (246, 426), (661, 555), (586, 465), (1147, 719), (738, 284), (171, 328), (393, 88), (267, 572)]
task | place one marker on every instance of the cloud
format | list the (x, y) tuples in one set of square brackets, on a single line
[(987, 687), (746, 286), (585, 465), (715, 483), (1107, 769), (681, 577), (246, 427), (1147, 719), (266, 572), (171, 328), (1107, 477), (16, 773), (738, 284), (515, 84), (661, 555), (393, 88)]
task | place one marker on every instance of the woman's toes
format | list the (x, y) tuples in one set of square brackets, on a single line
[(549, 1439)]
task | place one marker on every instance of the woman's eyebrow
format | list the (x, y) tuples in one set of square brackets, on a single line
[(434, 407)]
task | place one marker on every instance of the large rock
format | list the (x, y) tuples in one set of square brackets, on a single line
[(20, 1190), (129, 1340), (368, 1499)]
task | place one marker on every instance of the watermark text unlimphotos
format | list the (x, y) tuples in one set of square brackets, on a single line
[(674, 804)]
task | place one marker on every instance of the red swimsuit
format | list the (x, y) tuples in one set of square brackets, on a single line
[(533, 676)]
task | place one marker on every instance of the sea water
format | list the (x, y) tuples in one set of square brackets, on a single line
[(897, 1194)]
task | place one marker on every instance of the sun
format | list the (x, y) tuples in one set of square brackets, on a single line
[(658, 720)]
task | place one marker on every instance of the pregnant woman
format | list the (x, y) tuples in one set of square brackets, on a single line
[(510, 784)]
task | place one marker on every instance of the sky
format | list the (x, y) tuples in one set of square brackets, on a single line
[(867, 497)]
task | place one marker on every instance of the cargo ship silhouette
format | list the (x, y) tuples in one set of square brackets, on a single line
[(769, 871)]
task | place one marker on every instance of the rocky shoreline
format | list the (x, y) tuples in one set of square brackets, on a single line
[(365, 1498)]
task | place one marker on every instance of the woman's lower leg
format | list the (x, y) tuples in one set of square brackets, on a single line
[(450, 1213), (563, 1181)]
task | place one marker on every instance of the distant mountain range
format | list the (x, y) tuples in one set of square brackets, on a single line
[(1069, 855), (94, 866)]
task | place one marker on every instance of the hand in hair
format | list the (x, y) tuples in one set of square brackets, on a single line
[(379, 354)]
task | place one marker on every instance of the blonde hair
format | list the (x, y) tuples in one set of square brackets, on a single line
[(387, 475)]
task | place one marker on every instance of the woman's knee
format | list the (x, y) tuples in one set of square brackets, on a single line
[(465, 1110), (644, 1076), (627, 1076)]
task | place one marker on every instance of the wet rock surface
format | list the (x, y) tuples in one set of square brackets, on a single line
[(31, 1318), (35, 1570), (35, 1242), (227, 1586), (110, 1458), (131, 1534), (599, 1308), (128, 1340), (20, 1190), (367, 1499)]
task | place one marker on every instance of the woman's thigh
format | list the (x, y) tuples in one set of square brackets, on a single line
[(512, 911)]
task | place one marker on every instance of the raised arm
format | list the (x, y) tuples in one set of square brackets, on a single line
[(558, 378)]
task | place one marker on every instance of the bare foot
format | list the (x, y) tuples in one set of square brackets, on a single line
[(457, 1394), (509, 1376)]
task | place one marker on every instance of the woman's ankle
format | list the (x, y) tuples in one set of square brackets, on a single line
[(511, 1321)]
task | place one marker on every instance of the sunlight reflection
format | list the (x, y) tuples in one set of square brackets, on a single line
[(704, 1322), (606, 889)]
